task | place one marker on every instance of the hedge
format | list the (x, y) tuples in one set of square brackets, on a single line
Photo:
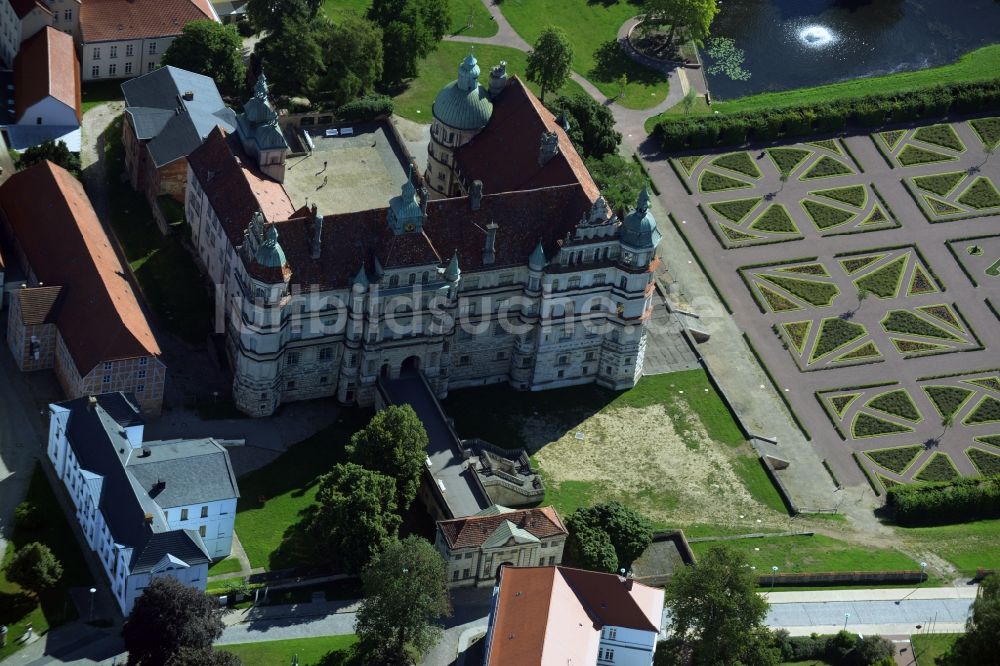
[(934, 102), (945, 502), (366, 108)]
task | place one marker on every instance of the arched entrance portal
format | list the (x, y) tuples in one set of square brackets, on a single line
[(410, 364)]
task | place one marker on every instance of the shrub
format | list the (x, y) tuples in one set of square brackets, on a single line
[(955, 501), (947, 399), (867, 350), (737, 209), (884, 282), (981, 194), (826, 167), (786, 159), (938, 468), (824, 216), (740, 162), (776, 301), (852, 195), (988, 130), (940, 183), (28, 517), (814, 293), (712, 181), (911, 155), (834, 334), (866, 425), (987, 411), (806, 269), (855, 264), (828, 144), (903, 321), (892, 137), (941, 207), (896, 459), (986, 463), (944, 313), (689, 162), (940, 135), (990, 440), (898, 403), (797, 332), (366, 108), (776, 220)]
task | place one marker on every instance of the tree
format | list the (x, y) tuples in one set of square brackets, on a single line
[(406, 592), (716, 614), (620, 180), (55, 152), (978, 645), (695, 15), (354, 516), (187, 656), (292, 54), (393, 443), (34, 568), (873, 649), (268, 15), (550, 60), (212, 49), (353, 60), (169, 617), (411, 29), (591, 124), (590, 548)]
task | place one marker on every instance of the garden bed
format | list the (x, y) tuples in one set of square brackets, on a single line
[(896, 459)]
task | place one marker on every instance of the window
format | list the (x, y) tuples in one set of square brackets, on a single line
[(323, 379), (292, 358), (140, 388), (113, 51), (371, 367), (290, 385), (623, 283), (552, 560), (454, 575), (393, 280), (204, 512), (599, 279), (608, 655), (590, 356), (68, 16), (561, 374), (412, 280), (506, 278), (544, 544), (106, 379), (97, 53), (184, 514), (465, 573), (144, 361), (574, 282), (611, 633), (150, 67), (457, 558), (326, 353), (563, 360), (464, 360), (202, 530), (129, 50), (152, 48), (497, 329), (141, 374), (468, 556), (501, 356), (108, 365)]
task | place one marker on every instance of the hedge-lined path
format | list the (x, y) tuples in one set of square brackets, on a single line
[(915, 229)]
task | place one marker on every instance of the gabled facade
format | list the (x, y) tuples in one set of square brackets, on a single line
[(475, 547), (76, 312), (527, 278), (552, 616), (146, 509)]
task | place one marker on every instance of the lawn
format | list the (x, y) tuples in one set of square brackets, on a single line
[(979, 65), (17, 607), (592, 28), (414, 99), (287, 486), (928, 647), (968, 546), (310, 651), (98, 92), (482, 23), (169, 278), (812, 554), (228, 565)]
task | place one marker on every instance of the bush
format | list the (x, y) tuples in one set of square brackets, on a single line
[(366, 108), (954, 501), (896, 459), (27, 517), (680, 132), (852, 195), (884, 282), (898, 403), (940, 183), (912, 155), (836, 333), (841, 649), (981, 194), (903, 321), (812, 292)]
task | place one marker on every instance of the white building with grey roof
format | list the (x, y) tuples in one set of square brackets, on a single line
[(147, 509)]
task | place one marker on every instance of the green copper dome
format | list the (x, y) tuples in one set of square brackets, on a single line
[(639, 229), (463, 103), (269, 253)]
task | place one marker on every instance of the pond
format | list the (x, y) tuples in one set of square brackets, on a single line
[(800, 43)]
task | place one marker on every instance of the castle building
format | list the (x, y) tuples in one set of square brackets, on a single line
[(508, 266)]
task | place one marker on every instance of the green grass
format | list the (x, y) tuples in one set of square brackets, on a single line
[(825, 216), (940, 135), (740, 162), (938, 468), (826, 167), (815, 293), (713, 181), (18, 607), (940, 183), (927, 648), (912, 155), (228, 565), (967, 546), (310, 651), (288, 486), (988, 130), (981, 194), (98, 92), (756, 480), (776, 220), (896, 459), (737, 209), (884, 282), (786, 159), (852, 195), (414, 99), (166, 271), (592, 28), (817, 553)]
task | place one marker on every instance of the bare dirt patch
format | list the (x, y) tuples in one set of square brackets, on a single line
[(672, 472)]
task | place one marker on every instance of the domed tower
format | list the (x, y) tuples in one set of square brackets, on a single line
[(260, 134), (639, 235), (461, 110)]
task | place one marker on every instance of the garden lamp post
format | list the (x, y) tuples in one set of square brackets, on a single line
[(93, 591), (846, 617), (774, 573)]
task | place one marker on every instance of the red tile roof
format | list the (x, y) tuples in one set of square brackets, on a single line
[(234, 186), (37, 304), (472, 531), (505, 154), (114, 20), (545, 615), (58, 231), (23, 7), (47, 66)]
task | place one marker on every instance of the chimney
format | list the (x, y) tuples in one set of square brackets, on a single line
[(498, 79), (549, 147), (149, 518), (628, 583), (422, 196), (91, 402), (490, 251), (316, 244), (476, 194), (188, 95)]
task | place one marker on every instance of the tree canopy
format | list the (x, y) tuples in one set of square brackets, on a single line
[(268, 15), (212, 49), (590, 548), (620, 180), (55, 152), (354, 516), (411, 29), (167, 618), (34, 567), (694, 15), (203, 657), (292, 54), (978, 645), (405, 594), (591, 124), (629, 532), (716, 615), (353, 58), (549, 61), (393, 443)]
